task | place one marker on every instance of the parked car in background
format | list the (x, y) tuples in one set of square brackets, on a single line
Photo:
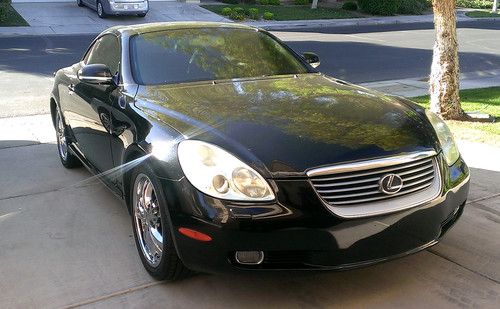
[(235, 153), (105, 8)]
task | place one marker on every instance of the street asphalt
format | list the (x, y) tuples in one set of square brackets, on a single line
[(66, 241), (357, 54)]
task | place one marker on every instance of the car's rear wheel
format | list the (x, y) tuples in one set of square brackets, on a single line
[(79, 2), (142, 15), (152, 228), (100, 10), (68, 159)]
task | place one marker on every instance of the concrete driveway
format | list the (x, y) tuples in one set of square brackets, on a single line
[(68, 18), (66, 241)]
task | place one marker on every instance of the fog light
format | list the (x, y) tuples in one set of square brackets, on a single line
[(249, 257)]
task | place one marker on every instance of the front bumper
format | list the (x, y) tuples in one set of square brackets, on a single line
[(298, 232)]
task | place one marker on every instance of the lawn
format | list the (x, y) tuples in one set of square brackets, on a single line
[(486, 100), (9, 17), (294, 12), (481, 14)]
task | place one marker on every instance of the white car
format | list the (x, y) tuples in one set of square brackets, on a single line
[(105, 8)]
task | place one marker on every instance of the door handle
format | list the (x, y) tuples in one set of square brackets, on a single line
[(71, 88)]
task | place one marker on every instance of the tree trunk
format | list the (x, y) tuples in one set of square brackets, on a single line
[(314, 4), (445, 71), (495, 6)]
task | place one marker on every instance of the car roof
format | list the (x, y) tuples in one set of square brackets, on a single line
[(153, 27)]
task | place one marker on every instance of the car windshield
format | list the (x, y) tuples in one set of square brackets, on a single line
[(204, 54)]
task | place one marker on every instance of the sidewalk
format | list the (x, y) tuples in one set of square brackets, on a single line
[(68, 18), (419, 87)]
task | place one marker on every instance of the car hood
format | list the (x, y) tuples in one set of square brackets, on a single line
[(289, 124)]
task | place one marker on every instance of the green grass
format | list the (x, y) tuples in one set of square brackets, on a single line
[(295, 12), (9, 17), (485, 100), (481, 14)]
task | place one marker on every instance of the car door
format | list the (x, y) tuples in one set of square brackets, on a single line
[(91, 105)]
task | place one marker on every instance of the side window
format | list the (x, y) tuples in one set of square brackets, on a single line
[(106, 51)]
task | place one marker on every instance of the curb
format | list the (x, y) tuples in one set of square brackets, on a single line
[(356, 22)]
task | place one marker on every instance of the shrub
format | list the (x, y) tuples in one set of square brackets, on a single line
[(231, 1), (239, 10), (268, 15), (413, 7), (475, 4), (263, 2), (379, 7), (274, 2), (237, 16), (4, 10), (301, 2), (350, 6), (226, 11), (253, 13)]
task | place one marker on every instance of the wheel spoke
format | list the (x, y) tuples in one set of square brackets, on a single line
[(157, 240), (148, 189)]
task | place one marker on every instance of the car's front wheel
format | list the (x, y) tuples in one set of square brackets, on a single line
[(68, 159), (152, 228), (79, 2)]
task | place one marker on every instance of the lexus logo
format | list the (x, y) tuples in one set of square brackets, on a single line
[(390, 184)]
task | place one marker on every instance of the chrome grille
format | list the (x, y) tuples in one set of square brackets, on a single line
[(362, 185)]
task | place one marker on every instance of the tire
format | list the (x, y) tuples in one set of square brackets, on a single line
[(100, 10), (142, 15), (164, 264), (68, 159), (79, 3)]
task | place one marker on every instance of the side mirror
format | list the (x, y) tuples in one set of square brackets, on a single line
[(312, 59), (95, 74)]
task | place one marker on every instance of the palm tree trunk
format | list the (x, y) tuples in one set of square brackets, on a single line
[(445, 71), (495, 6)]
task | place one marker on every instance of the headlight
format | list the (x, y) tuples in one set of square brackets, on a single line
[(445, 137), (218, 173)]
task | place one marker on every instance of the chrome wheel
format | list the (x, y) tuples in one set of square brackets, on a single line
[(62, 144), (147, 220)]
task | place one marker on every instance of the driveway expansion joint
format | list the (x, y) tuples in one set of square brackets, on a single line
[(479, 199), (462, 266), (112, 295)]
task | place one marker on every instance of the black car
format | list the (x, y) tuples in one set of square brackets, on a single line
[(233, 153)]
